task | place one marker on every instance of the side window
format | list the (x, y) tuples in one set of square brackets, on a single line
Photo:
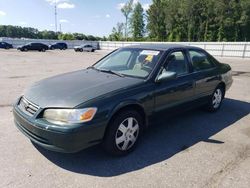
[(200, 60), (176, 62)]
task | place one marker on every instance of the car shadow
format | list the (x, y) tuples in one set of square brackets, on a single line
[(159, 143)]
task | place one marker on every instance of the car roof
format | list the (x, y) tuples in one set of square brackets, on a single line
[(162, 47)]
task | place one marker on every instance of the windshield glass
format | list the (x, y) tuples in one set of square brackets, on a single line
[(130, 62)]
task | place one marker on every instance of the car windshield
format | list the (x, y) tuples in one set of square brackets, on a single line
[(130, 62)]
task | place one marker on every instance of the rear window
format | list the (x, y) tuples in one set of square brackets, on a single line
[(200, 60)]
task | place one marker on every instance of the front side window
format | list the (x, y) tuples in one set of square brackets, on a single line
[(131, 62), (200, 60), (176, 62)]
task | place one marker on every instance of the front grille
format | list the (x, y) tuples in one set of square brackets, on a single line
[(27, 107)]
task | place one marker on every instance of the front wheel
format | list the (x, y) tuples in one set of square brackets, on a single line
[(216, 100), (123, 133)]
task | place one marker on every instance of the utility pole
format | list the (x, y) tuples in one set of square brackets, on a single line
[(55, 15)]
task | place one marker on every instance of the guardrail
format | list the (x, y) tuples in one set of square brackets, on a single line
[(222, 49)]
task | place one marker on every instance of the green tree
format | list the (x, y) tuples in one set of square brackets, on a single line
[(156, 21), (126, 11), (66, 36), (137, 22), (116, 34)]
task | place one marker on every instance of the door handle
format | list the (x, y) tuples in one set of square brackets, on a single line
[(212, 78)]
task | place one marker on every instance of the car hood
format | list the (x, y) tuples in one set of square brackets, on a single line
[(71, 89)]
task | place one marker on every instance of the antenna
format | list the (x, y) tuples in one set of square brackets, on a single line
[(55, 15)]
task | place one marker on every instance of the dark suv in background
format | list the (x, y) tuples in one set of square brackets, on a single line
[(58, 45), (5, 45), (34, 46)]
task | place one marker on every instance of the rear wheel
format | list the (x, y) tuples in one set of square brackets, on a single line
[(216, 99), (92, 50), (123, 133), (81, 50), (43, 50)]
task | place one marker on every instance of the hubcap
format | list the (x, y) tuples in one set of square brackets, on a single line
[(217, 98), (127, 133)]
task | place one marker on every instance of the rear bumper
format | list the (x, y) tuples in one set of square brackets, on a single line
[(69, 141)]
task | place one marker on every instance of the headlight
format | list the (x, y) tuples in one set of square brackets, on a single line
[(63, 116)]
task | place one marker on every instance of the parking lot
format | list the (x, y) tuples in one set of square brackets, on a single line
[(193, 149)]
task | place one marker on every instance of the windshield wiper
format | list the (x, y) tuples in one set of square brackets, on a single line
[(92, 67), (111, 72)]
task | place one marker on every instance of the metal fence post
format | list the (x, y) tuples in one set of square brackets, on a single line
[(244, 51), (222, 51)]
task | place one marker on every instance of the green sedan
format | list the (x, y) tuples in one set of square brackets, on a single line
[(116, 99)]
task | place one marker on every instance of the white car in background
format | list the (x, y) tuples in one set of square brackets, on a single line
[(85, 47)]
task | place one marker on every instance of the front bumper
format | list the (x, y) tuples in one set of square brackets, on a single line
[(59, 139)]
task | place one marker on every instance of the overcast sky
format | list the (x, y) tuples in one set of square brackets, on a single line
[(96, 17)]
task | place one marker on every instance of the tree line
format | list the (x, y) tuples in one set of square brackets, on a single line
[(32, 33), (185, 20), (165, 20)]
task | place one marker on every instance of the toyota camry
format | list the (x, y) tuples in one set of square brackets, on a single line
[(116, 99)]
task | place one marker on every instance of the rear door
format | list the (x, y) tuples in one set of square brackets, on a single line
[(33, 46), (177, 91), (205, 73)]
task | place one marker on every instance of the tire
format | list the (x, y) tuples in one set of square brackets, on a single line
[(92, 50), (43, 50), (25, 49), (216, 99), (123, 133), (81, 50)]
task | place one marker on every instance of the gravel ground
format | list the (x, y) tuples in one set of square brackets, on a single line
[(195, 149)]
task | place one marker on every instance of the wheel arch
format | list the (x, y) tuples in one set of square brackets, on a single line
[(223, 86), (130, 105)]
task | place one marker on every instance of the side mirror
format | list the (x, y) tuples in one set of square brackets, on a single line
[(166, 75)]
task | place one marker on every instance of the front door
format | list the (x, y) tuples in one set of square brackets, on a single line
[(179, 90)]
